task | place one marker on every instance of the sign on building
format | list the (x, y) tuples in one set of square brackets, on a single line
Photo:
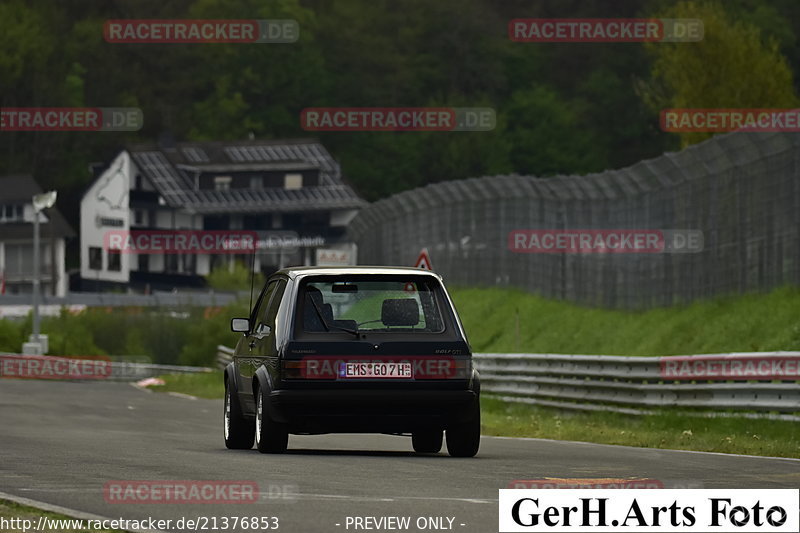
[(332, 257)]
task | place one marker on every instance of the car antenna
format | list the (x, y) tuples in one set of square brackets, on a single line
[(252, 277)]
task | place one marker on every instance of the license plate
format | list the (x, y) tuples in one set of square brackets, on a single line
[(375, 370)]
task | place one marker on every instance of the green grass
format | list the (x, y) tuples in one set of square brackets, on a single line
[(10, 510), (761, 322), (202, 385), (368, 310), (666, 431), (749, 323)]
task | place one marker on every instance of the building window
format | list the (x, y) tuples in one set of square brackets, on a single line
[(171, 263), (256, 183), (216, 222), (235, 222), (95, 258), (256, 222), (292, 182), (144, 263), (11, 213), (222, 183), (19, 259), (114, 260), (138, 217), (188, 263), (293, 221)]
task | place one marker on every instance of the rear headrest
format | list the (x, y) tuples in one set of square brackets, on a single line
[(311, 321), (315, 294), (400, 312)]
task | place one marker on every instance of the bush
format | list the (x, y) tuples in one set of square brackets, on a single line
[(11, 336), (238, 279), (206, 334), (173, 336)]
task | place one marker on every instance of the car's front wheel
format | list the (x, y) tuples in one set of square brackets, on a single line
[(427, 441), (239, 431), (464, 436), (271, 436)]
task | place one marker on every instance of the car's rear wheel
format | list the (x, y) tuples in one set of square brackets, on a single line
[(464, 437), (427, 441), (239, 432), (271, 436)]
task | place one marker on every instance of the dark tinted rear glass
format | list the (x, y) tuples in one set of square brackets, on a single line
[(372, 305)]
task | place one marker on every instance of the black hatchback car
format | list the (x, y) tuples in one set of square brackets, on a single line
[(352, 350)]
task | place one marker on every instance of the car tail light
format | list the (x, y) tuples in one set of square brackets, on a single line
[(462, 369), (293, 369)]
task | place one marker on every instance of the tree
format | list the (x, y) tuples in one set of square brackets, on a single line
[(732, 67), (547, 135)]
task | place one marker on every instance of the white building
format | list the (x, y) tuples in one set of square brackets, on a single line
[(290, 188), (16, 240)]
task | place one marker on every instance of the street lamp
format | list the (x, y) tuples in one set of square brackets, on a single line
[(40, 202)]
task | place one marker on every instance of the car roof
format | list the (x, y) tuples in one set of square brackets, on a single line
[(298, 272)]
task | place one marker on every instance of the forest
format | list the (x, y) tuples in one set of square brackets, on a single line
[(561, 108)]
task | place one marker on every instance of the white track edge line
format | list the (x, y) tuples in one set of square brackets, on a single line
[(645, 448)]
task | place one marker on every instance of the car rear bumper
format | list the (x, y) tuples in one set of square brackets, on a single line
[(370, 410)]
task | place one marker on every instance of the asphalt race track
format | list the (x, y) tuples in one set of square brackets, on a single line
[(60, 442)]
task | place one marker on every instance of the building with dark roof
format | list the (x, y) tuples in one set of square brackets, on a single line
[(290, 192), (16, 240)]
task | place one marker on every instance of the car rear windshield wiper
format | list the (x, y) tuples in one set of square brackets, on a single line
[(329, 326)]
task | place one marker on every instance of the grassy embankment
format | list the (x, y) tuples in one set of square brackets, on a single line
[(743, 323)]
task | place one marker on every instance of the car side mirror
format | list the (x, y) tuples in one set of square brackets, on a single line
[(240, 325)]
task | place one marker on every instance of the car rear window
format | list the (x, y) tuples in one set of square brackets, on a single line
[(380, 305)]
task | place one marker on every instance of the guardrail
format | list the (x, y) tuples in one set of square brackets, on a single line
[(18, 306), (135, 371), (759, 384), (754, 385), (111, 299), (224, 356)]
